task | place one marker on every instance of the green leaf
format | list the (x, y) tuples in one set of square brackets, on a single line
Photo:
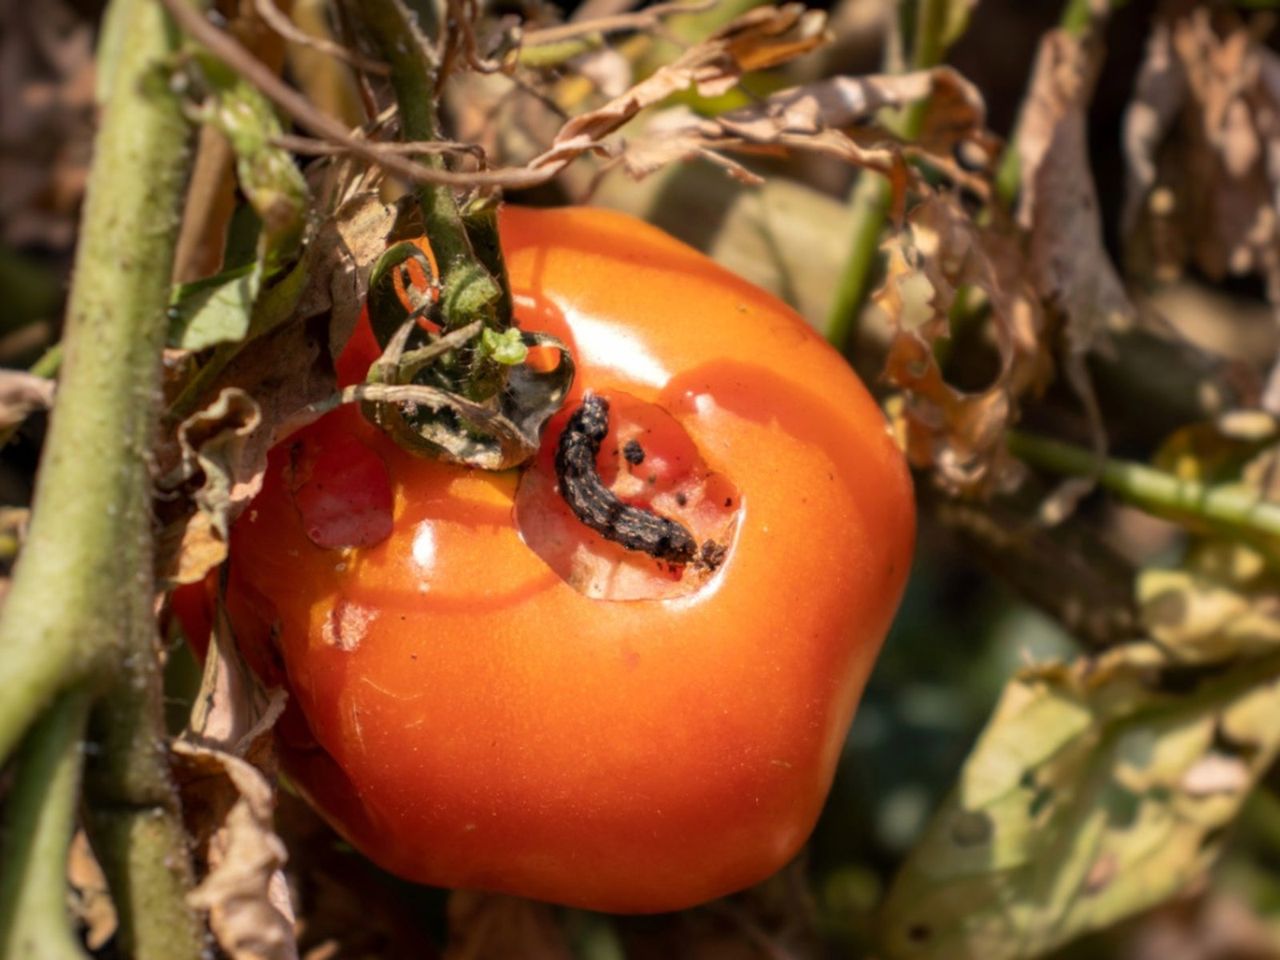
[(1096, 791), (214, 310), (267, 174), (505, 347)]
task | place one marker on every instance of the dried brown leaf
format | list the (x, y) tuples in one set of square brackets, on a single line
[(1059, 202), (217, 445), (90, 897), (244, 891), (1202, 144), (959, 434), (763, 37), (224, 764), (339, 259), (22, 394)]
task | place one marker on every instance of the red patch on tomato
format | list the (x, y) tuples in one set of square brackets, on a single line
[(341, 490)]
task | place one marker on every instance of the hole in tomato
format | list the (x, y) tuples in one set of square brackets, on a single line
[(647, 460)]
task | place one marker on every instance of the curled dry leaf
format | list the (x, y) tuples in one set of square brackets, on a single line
[(1202, 145), (835, 117), (1058, 205), (339, 259), (90, 898), (761, 38), (959, 434), (1093, 793), (217, 445), (224, 765), (22, 394)]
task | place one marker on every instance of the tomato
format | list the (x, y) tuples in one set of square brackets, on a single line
[(488, 693)]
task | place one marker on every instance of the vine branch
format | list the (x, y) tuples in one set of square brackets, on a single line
[(78, 618)]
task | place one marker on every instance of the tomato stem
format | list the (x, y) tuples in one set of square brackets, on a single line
[(470, 291)]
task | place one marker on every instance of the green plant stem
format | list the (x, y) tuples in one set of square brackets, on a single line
[(78, 615), (468, 289), (870, 199), (39, 820), (90, 539), (1231, 510)]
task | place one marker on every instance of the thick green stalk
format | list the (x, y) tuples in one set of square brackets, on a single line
[(1230, 509), (40, 815), (469, 290), (78, 615), (90, 547), (870, 199)]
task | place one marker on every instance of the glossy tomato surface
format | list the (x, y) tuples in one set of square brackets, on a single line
[(486, 694)]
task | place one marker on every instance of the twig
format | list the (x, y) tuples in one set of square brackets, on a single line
[(1230, 509), (282, 25), (323, 148), (613, 24), (227, 49), (39, 820)]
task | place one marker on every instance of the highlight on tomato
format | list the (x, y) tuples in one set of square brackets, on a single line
[(620, 677)]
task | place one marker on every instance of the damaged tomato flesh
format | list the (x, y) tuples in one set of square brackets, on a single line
[(486, 692)]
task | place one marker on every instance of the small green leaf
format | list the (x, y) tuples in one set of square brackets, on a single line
[(214, 310), (506, 347)]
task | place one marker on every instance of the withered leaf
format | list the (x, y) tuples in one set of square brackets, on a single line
[(1222, 605), (763, 37), (835, 117), (959, 434), (1202, 145), (1058, 204), (339, 259), (90, 897), (1092, 794), (222, 445), (22, 394), (225, 767)]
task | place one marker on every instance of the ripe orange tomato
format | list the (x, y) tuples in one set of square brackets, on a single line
[(486, 693)]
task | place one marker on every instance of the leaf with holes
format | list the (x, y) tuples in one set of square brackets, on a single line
[(1098, 789)]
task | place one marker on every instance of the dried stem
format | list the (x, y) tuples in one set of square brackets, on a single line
[(39, 820), (231, 52)]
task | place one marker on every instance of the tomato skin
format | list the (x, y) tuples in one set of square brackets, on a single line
[(468, 719)]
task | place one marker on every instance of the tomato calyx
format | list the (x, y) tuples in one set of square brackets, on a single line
[(597, 506), (463, 393)]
